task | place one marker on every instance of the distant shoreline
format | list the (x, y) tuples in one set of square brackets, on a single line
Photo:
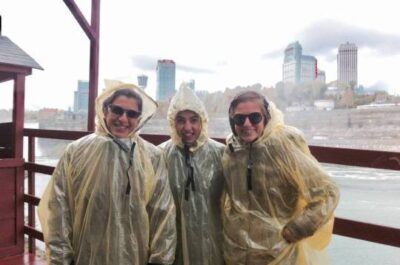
[(371, 128)]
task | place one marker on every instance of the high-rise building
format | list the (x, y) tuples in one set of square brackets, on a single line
[(297, 67), (347, 65), (165, 79), (309, 68), (321, 76), (292, 63), (81, 97), (191, 84), (142, 81)]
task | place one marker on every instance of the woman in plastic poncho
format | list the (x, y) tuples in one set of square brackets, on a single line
[(109, 200), (278, 204), (195, 175)]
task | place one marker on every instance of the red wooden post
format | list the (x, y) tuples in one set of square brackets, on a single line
[(31, 191)]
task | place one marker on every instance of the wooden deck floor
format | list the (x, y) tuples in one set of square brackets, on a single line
[(25, 259)]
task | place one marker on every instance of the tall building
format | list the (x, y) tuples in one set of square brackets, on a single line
[(142, 81), (321, 76), (191, 84), (165, 79), (297, 67), (309, 68), (81, 97), (292, 63), (347, 65)]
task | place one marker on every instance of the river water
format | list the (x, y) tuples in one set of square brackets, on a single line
[(367, 195)]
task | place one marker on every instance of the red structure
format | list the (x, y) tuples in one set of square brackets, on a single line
[(13, 69), (15, 65)]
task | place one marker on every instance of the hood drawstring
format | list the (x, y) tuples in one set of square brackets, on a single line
[(249, 170), (126, 150), (128, 187), (231, 148), (249, 166), (190, 179)]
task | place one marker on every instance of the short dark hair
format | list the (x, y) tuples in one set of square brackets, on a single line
[(129, 93)]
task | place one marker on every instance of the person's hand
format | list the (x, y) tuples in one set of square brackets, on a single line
[(288, 236)]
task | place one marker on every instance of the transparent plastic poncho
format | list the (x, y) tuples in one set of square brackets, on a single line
[(196, 180), (88, 214), (274, 183)]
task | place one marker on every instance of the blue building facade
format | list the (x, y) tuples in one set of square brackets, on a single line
[(191, 84), (165, 79), (298, 68), (81, 97), (292, 63), (142, 81), (309, 69)]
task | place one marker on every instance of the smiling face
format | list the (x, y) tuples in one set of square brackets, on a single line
[(188, 126), (248, 131), (120, 125)]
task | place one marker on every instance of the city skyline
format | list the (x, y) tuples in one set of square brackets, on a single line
[(237, 44)]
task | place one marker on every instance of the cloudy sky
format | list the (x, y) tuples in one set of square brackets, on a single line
[(218, 43)]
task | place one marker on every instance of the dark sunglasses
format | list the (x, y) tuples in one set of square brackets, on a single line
[(117, 110), (254, 118)]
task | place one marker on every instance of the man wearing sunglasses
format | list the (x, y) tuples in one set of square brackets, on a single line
[(278, 201), (109, 200), (195, 174)]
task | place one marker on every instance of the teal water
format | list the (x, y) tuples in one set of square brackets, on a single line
[(367, 195)]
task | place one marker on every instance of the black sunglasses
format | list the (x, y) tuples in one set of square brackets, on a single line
[(117, 110), (254, 118)]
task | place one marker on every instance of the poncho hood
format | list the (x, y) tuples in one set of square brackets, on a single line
[(148, 109), (186, 99)]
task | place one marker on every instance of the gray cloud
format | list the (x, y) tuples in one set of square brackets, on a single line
[(324, 37), (145, 63), (222, 63), (274, 54), (378, 86), (148, 63), (194, 70)]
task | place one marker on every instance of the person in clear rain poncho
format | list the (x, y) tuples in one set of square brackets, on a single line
[(195, 175), (109, 201), (278, 202)]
